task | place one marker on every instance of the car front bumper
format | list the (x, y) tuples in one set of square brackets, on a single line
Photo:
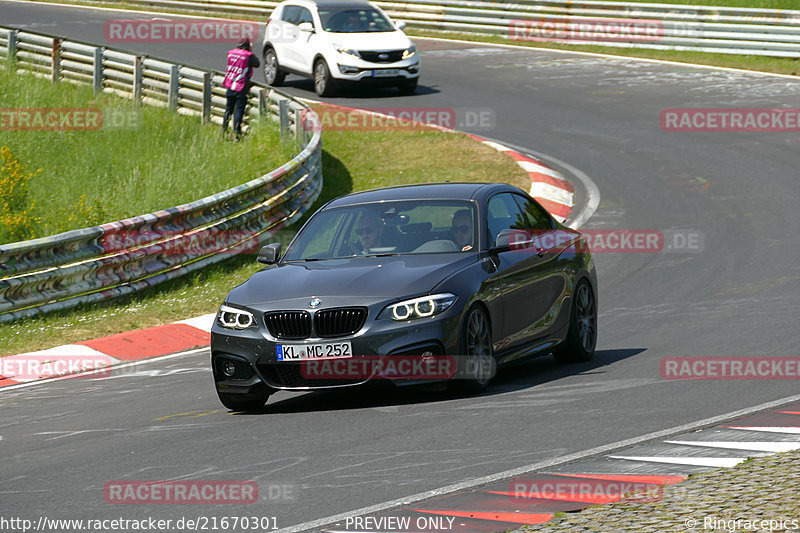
[(254, 353)]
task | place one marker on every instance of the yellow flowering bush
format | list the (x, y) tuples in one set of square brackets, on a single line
[(16, 212)]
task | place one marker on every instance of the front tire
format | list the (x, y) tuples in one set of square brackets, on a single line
[(408, 87), (581, 338), (476, 363), (272, 70), (323, 82)]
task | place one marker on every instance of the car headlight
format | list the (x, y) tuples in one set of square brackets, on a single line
[(231, 318), (411, 52), (347, 51), (418, 307)]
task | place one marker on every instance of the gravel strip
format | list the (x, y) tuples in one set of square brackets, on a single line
[(744, 498)]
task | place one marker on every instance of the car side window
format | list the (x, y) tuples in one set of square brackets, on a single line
[(291, 14), (503, 213), (537, 218), (304, 16)]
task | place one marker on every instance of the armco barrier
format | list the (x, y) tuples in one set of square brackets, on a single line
[(727, 30), (102, 262)]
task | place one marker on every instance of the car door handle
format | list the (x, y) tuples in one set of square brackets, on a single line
[(540, 251)]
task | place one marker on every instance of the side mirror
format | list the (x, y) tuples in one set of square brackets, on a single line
[(512, 239), (306, 27), (269, 254), (400, 24)]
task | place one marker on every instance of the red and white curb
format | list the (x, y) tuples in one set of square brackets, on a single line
[(109, 351), (548, 187), (635, 475)]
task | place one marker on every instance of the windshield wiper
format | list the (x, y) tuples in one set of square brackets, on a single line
[(379, 255)]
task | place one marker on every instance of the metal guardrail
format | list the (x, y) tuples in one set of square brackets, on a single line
[(117, 258), (728, 30)]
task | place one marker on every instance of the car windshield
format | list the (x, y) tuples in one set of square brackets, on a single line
[(354, 20), (387, 228)]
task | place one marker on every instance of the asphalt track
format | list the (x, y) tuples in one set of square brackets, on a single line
[(336, 451)]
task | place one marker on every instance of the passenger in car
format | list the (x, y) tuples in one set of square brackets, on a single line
[(461, 229)]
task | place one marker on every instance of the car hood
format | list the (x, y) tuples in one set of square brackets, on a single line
[(395, 40), (353, 280)]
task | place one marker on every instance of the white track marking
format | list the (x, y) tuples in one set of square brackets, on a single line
[(105, 369), (715, 462), (541, 465), (551, 192), (203, 322), (768, 429), (773, 447)]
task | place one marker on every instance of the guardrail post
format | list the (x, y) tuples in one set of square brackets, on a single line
[(97, 79), (207, 91), (55, 73), (283, 118), (137, 79), (299, 127), (172, 96), (12, 45), (263, 99)]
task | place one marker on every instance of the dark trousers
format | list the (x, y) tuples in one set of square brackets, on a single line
[(235, 104)]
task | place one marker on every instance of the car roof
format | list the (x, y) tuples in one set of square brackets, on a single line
[(427, 191)]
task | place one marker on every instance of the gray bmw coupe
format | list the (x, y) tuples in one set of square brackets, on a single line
[(423, 282)]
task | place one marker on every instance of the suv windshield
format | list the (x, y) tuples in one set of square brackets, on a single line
[(394, 228), (354, 20)]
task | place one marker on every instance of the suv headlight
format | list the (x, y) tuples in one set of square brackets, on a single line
[(423, 307), (231, 318), (411, 52), (347, 51)]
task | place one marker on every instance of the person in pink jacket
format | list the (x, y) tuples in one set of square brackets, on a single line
[(241, 62)]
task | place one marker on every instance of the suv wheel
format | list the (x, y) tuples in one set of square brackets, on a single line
[(408, 87), (272, 70), (323, 82)]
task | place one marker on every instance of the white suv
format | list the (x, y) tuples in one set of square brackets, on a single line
[(335, 41)]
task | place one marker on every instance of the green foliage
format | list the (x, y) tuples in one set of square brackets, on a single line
[(142, 159)]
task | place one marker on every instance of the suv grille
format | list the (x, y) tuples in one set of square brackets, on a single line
[(289, 324), (391, 56), (339, 322)]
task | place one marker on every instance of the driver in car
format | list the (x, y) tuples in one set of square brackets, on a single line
[(353, 24), (462, 229), (369, 230)]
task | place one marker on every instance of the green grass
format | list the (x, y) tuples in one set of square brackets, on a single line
[(351, 161), (143, 159)]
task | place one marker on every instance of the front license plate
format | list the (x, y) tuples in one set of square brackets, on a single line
[(300, 352), (384, 73)]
